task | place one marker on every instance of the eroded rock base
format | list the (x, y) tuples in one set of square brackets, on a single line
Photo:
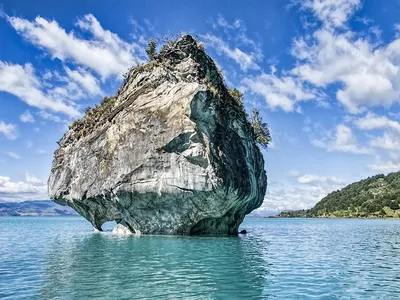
[(122, 230)]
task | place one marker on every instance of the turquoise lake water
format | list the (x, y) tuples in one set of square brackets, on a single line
[(62, 258)]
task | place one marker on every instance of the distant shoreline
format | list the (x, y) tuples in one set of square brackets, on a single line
[(45, 216), (361, 218), (35, 208)]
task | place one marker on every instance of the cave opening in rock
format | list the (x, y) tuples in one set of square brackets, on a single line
[(108, 226)]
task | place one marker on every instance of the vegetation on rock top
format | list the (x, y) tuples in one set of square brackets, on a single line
[(93, 116), (99, 114)]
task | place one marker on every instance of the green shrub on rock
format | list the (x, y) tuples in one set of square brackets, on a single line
[(260, 129), (151, 50)]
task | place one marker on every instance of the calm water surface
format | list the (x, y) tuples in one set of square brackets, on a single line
[(62, 258)]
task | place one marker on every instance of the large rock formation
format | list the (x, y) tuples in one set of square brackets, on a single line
[(171, 153)]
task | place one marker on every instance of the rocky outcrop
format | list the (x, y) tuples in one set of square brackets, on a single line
[(171, 153)]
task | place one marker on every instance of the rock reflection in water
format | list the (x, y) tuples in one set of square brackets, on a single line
[(105, 266)]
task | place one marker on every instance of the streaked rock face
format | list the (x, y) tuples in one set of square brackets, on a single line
[(174, 156)]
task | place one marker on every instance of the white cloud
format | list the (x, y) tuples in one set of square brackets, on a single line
[(389, 141), (362, 71), (372, 121), (237, 32), (104, 52), (27, 117), (309, 179), (237, 45), (141, 33), (22, 82), (48, 116), (281, 197), (385, 167), (302, 192), (17, 191), (13, 155), (87, 51), (279, 92), (74, 85), (221, 22), (41, 151), (86, 80), (333, 13), (342, 140), (32, 179), (8, 130), (329, 58), (247, 61)]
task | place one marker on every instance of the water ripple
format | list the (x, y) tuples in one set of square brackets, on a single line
[(61, 258)]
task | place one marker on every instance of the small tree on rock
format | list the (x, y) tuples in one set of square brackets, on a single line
[(260, 129), (88, 109), (238, 96), (151, 50)]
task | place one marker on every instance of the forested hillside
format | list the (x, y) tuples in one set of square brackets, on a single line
[(377, 196)]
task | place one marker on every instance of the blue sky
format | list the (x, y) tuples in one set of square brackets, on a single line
[(324, 74)]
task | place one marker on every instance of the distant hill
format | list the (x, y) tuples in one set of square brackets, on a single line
[(377, 196), (35, 208)]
